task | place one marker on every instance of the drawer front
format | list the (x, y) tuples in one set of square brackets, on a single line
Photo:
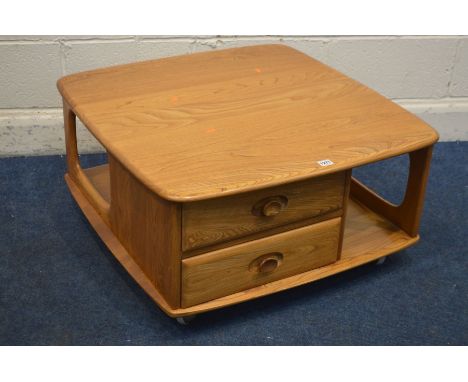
[(243, 266), (222, 219)]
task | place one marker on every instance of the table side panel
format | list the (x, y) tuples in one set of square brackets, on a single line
[(149, 228)]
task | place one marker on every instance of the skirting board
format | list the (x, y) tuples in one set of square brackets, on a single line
[(40, 131)]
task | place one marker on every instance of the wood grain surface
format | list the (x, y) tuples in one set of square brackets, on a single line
[(74, 167), (360, 224), (367, 237), (100, 179), (217, 220), (217, 123), (407, 215), (347, 186), (149, 228), (250, 264)]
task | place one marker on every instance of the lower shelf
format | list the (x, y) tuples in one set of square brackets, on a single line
[(367, 237)]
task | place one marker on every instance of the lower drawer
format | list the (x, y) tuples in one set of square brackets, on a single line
[(240, 267)]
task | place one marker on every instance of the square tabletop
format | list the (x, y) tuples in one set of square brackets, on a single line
[(223, 122)]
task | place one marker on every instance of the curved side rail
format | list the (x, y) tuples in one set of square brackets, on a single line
[(75, 171), (407, 215)]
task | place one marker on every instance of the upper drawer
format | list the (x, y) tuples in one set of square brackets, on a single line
[(216, 220)]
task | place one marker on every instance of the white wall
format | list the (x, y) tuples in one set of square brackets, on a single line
[(427, 75)]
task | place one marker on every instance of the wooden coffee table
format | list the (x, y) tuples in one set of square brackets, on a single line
[(229, 172)]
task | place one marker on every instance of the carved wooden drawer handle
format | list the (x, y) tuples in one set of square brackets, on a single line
[(271, 206), (267, 263)]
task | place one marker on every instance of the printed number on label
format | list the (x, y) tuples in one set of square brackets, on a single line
[(325, 162)]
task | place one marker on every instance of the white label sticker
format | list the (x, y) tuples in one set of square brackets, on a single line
[(325, 162)]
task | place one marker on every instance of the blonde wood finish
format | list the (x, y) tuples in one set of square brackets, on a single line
[(347, 187), (220, 273), (100, 180), (258, 235), (216, 123), (216, 192), (149, 228), (218, 220), (367, 237), (407, 215), (116, 248), (74, 168)]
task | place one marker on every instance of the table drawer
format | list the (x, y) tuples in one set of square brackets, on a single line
[(243, 266), (217, 220)]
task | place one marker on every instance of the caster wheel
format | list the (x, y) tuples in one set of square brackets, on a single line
[(185, 320), (381, 260)]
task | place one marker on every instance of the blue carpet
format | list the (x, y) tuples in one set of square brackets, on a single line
[(59, 285)]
